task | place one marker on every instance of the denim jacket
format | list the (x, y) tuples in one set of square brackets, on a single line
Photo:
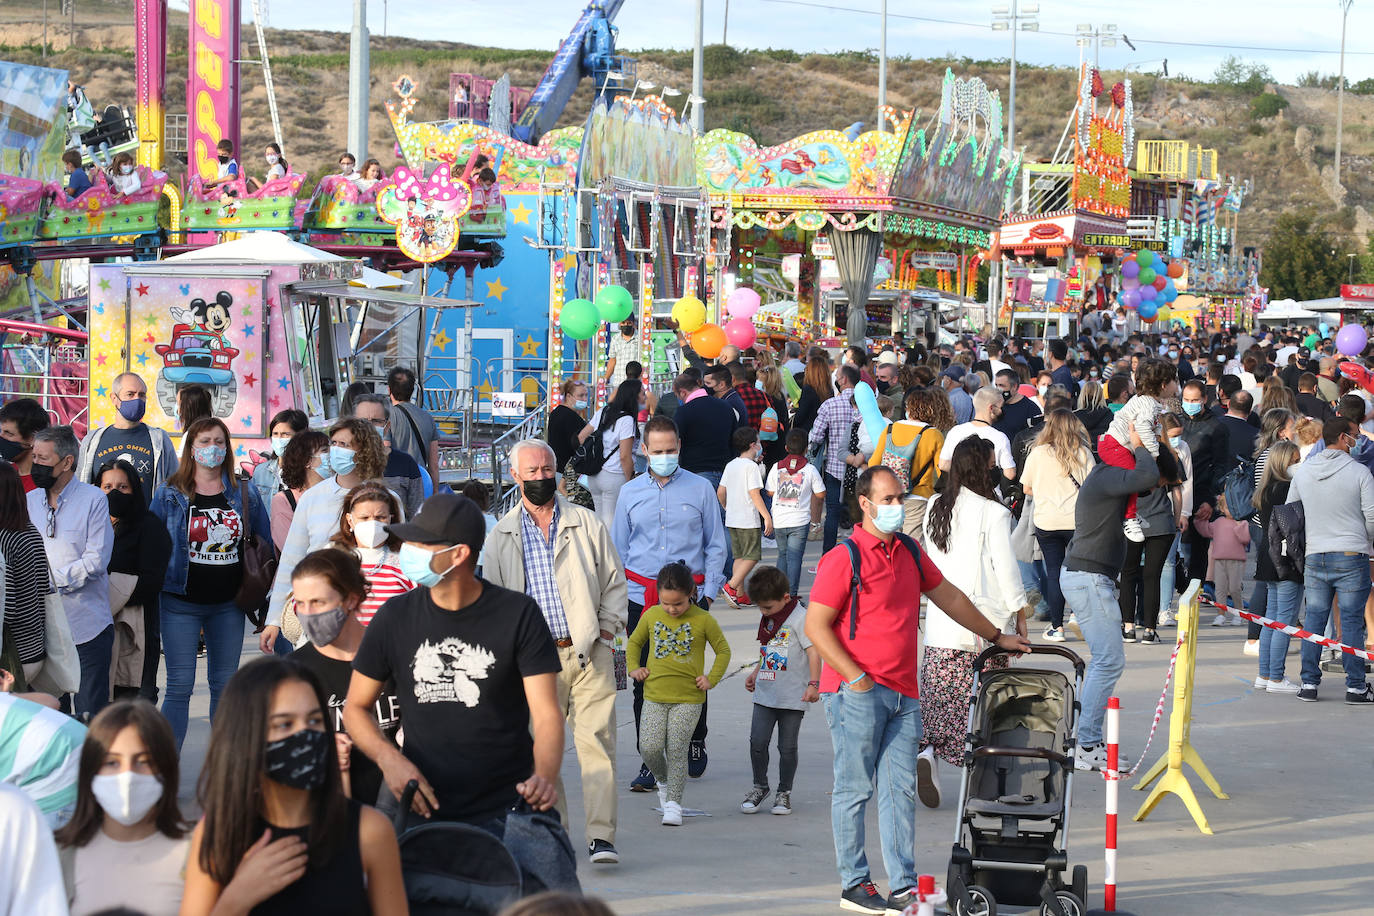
[(174, 509)]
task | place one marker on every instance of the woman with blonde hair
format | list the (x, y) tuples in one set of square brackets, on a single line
[(1284, 592), (1093, 412), (774, 448), (1055, 468), (1275, 394)]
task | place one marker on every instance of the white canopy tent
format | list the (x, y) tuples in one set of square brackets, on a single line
[(1287, 311), (264, 247)]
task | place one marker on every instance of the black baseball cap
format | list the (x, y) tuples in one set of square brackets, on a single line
[(445, 518)]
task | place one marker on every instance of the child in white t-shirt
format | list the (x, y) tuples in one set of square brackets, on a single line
[(798, 493), (1155, 379), (746, 516)]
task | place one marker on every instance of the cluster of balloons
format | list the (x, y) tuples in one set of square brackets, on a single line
[(709, 339), (581, 318), (1147, 283)]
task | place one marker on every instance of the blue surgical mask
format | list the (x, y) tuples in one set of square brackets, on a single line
[(1192, 408), (415, 566), (888, 518), (663, 465), (580, 405), (323, 468), (341, 459), (279, 444), (1176, 441), (209, 456)]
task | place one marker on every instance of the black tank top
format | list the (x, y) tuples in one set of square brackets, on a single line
[(336, 888)]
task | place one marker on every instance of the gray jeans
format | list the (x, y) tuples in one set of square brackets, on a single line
[(788, 722)]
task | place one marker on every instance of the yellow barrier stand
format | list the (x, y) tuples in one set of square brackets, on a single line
[(1181, 751)]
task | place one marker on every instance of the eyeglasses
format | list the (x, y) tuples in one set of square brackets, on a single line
[(52, 521)]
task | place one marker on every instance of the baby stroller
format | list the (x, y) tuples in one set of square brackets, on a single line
[(1011, 843)]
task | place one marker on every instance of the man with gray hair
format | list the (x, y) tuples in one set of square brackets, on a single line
[(987, 408), (74, 519), (402, 474), (792, 363), (562, 556), (146, 447)]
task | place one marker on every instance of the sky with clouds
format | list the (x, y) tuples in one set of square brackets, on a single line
[(1188, 34)]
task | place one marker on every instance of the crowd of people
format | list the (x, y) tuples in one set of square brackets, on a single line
[(421, 659)]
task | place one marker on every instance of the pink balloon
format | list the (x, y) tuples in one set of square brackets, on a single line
[(1130, 283), (743, 303), (740, 332)]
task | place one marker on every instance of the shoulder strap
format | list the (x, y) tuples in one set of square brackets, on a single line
[(290, 498), (916, 552), (245, 514), (853, 549), (414, 427), (916, 478)]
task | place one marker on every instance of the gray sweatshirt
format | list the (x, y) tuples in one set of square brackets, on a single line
[(1338, 491), (1099, 545)]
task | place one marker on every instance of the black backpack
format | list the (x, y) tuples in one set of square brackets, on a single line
[(1238, 486), (854, 582), (590, 456)]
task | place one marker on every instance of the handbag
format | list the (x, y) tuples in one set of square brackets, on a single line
[(1023, 535), (258, 560), (61, 671)]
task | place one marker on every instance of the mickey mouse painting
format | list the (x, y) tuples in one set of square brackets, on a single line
[(200, 354)]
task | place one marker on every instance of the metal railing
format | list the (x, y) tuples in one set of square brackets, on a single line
[(529, 428), (1175, 159)]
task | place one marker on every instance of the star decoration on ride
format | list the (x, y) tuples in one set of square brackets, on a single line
[(529, 346)]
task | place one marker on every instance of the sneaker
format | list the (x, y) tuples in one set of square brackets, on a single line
[(1308, 693), (696, 759), (1128, 634), (672, 814), (1167, 619), (1133, 530), (1072, 624), (1148, 637), (782, 803), (645, 781), (1283, 686), (1262, 683), (928, 778), (898, 901), (1363, 697), (754, 800), (1217, 621), (1054, 634), (1095, 758), (769, 544), (1251, 648), (731, 595), (863, 898), (602, 853)]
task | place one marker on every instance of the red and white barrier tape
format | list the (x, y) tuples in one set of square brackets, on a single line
[(1297, 632), (1159, 711)]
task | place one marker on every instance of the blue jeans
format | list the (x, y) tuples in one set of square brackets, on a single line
[(874, 734), (1284, 600), (791, 548), (1053, 544), (182, 623), (1168, 578), (834, 510), (1092, 599), (94, 693), (1346, 576)]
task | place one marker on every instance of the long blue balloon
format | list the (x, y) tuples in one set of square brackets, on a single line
[(867, 403)]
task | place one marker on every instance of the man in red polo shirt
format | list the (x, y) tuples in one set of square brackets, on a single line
[(869, 686)]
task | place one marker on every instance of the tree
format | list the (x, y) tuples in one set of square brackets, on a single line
[(1237, 74), (1303, 259)]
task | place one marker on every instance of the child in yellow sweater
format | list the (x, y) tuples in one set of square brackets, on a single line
[(675, 682)]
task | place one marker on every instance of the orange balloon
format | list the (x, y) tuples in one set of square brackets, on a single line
[(708, 340), (1175, 269)]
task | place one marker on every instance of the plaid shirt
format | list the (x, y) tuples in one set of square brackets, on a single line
[(755, 403), (540, 582), (833, 423)]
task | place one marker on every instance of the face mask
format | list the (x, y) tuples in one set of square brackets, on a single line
[(888, 519), (209, 456), (341, 459), (627, 329), (127, 797), (759, 384), (224, 159), (1173, 354), (1092, 373), (345, 168), (883, 386), (539, 492), (133, 409), (320, 465), (121, 503), (298, 760), (1358, 448), (10, 450), (273, 159), (1006, 395), (1175, 441), (279, 444), (415, 566), (663, 465), (580, 405), (44, 476), (381, 431), (1042, 389), (126, 169), (1192, 408), (323, 628), (369, 533)]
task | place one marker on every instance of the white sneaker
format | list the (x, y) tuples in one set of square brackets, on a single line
[(1219, 620), (1262, 683), (672, 814), (1132, 529), (1095, 758), (1283, 686), (1251, 648), (1166, 619), (928, 778), (769, 544)]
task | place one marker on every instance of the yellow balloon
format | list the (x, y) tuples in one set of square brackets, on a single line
[(1164, 314), (690, 314)]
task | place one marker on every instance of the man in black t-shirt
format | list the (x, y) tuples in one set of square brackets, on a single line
[(1018, 411), (476, 671)]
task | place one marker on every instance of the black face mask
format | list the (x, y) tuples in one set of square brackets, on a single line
[(299, 760), (883, 386), (44, 476), (10, 450), (1006, 394), (539, 492), (121, 503)]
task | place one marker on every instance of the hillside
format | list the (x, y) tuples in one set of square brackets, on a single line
[(772, 95)]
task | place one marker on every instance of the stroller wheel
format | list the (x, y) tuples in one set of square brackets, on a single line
[(1080, 882), (1069, 902), (981, 903)]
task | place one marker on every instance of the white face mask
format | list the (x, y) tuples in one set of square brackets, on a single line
[(127, 797), (369, 533), (273, 159)]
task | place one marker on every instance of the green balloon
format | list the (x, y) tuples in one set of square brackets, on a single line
[(1144, 257), (1146, 276), (580, 319), (615, 303)]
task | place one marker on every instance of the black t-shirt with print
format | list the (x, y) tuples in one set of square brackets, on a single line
[(459, 679), (334, 674), (214, 534)]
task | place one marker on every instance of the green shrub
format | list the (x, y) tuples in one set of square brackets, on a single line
[(1266, 105)]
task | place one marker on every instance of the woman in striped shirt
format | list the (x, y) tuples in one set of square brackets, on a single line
[(367, 509), (26, 581)]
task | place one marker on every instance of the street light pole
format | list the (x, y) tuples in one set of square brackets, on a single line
[(1017, 17), (1340, 88), (882, 70)]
